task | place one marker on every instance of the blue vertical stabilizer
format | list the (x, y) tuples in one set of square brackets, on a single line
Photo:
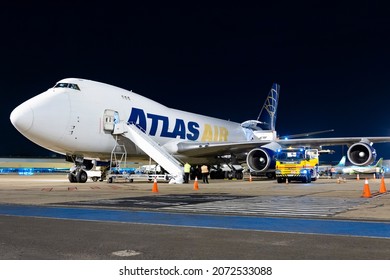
[(267, 115)]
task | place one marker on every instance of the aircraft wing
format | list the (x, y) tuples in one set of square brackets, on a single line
[(191, 148), (318, 142)]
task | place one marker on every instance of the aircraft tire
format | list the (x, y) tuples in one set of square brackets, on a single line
[(82, 176), (71, 178)]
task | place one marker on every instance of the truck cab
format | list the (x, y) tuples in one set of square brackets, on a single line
[(296, 164)]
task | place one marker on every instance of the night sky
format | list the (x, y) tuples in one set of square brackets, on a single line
[(331, 61)]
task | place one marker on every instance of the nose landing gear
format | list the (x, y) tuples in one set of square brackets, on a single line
[(78, 175)]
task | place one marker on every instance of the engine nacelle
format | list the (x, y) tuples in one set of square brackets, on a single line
[(361, 154), (260, 159)]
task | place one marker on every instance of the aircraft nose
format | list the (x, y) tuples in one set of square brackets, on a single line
[(22, 117), (44, 118)]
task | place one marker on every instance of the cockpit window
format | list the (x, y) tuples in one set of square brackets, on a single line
[(67, 85)]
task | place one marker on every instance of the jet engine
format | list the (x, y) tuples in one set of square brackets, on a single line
[(260, 159), (361, 154)]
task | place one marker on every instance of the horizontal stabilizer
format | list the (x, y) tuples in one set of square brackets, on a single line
[(253, 124)]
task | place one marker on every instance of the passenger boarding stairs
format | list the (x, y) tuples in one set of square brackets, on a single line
[(151, 148)]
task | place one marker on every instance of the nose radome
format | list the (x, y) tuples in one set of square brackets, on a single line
[(22, 117)]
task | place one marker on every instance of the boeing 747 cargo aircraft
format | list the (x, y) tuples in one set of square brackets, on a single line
[(85, 120)]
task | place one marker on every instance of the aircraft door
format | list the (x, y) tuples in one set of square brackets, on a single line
[(110, 118)]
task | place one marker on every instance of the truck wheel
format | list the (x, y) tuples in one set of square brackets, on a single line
[(280, 180)]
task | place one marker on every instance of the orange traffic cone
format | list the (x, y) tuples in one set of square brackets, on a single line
[(250, 177), (366, 190), (196, 186), (357, 177), (155, 187), (382, 188)]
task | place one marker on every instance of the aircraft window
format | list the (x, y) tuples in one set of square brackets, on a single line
[(67, 85), (61, 85), (74, 86)]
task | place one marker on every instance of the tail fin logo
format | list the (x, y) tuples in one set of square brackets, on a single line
[(342, 161), (379, 163), (267, 115)]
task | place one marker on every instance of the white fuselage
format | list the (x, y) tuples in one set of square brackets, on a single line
[(71, 121), (360, 169)]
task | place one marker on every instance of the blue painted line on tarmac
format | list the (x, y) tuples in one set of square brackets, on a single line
[(289, 225)]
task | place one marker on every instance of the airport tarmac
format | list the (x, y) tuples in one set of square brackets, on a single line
[(46, 217)]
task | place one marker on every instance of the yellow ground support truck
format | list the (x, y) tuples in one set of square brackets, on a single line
[(297, 164)]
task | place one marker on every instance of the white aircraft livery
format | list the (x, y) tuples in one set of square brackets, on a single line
[(341, 167), (86, 120)]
